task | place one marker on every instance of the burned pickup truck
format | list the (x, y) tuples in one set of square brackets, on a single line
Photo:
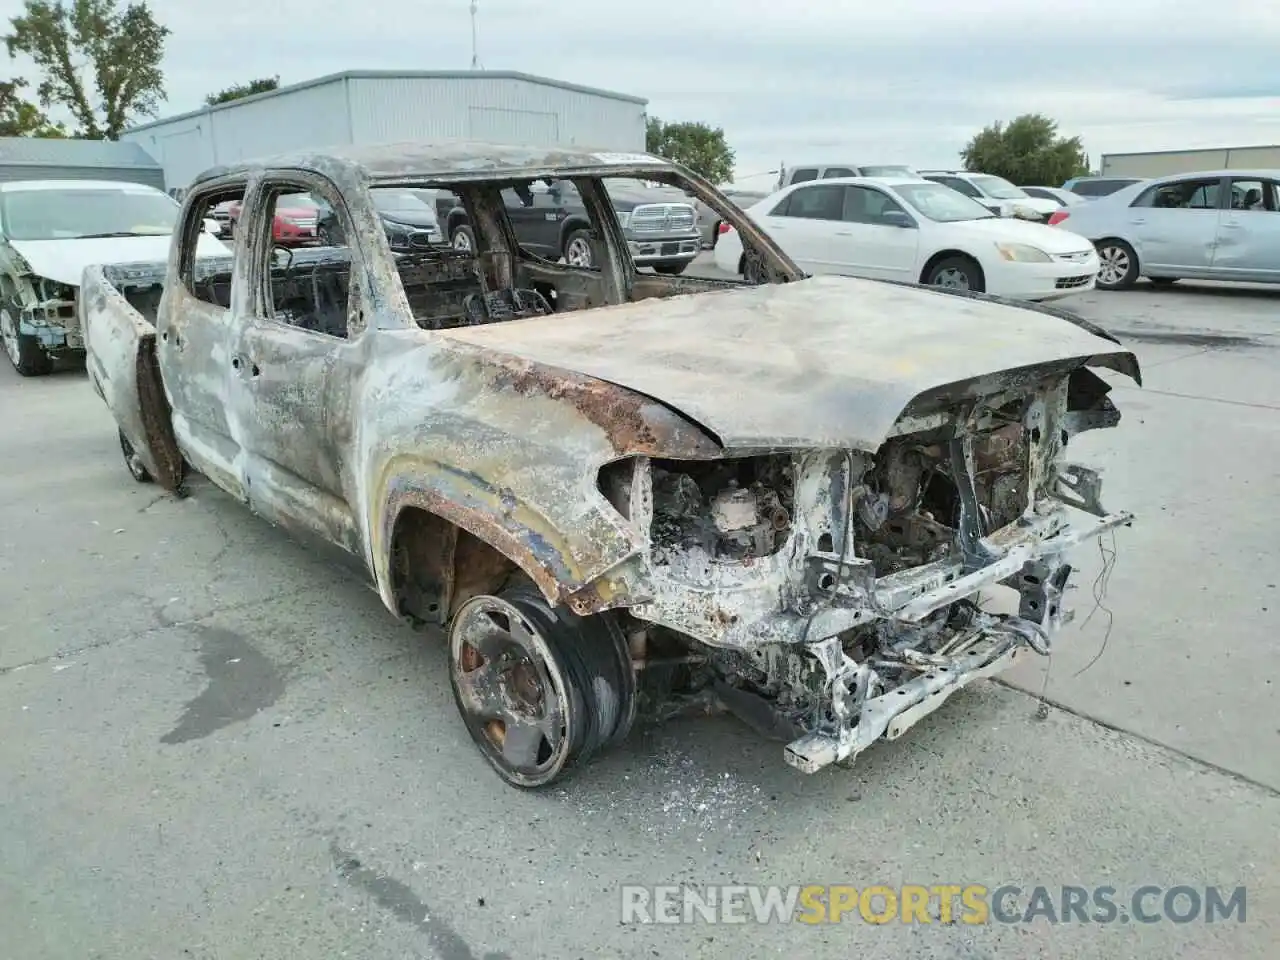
[(618, 491)]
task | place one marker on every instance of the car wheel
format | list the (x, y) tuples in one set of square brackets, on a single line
[(132, 461), (1117, 265), (956, 273), (671, 269), (463, 238), (25, 352), (540, 690), (577, 249)]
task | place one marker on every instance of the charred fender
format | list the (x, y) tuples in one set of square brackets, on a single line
[(593, 568)]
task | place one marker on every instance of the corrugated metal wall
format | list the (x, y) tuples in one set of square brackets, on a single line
[(152, 177), (187, 146), (1165, 163), (495, 109), (183, 147), (381, 109)]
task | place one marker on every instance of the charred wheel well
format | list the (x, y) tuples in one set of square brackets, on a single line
[(436, 566), (946, 254)]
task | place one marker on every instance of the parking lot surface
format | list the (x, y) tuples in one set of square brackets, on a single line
[(217, 746)]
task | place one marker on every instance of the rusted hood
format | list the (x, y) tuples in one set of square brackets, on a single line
[(825, 362)]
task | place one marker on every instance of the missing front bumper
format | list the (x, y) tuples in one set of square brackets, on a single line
[(892, 714), (993, 644)]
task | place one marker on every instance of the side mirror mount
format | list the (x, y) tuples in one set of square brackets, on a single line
[(210, 226), (897, 218)]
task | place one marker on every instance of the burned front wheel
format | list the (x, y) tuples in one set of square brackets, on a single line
[(538, 688), (132, 461)]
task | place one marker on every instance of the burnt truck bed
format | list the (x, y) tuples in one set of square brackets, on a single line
[(619, 492)]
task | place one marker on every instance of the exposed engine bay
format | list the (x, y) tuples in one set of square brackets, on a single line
[(831, 598)]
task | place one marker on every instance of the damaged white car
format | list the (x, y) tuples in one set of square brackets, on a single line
[(50, 230), (620, 493)]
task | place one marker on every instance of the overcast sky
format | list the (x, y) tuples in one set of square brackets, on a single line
[(907, 81)]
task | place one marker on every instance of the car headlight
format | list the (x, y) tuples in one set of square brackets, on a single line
[(1023, 253), (624, 219), (1026, 213)]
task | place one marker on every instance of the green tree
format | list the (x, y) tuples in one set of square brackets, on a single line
[(261, 85), (21, 118), (1027, 151), (99, 62), (699, 147)]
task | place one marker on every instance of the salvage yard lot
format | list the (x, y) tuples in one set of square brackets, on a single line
[(217, 746)]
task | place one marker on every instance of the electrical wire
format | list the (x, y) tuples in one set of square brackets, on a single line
[(1101, 584)]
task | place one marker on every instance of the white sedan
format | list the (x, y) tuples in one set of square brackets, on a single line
[(909, 229)]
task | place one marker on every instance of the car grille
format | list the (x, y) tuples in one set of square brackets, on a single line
[(663, 218), (307, 223), (1070, 283)]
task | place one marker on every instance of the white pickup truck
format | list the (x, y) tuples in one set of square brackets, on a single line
[(616, 489)]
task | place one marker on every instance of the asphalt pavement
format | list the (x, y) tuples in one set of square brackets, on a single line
[(216, 747)]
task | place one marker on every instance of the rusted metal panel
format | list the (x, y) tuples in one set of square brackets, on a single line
[(826, 362)]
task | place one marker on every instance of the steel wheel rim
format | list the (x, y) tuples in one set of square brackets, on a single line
[(131, 458), (1114, 265), (953, 278), (9, 334), (578, 253), (513, 696), (461, 240)]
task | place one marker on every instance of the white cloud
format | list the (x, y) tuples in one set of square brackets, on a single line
[(904, 81)]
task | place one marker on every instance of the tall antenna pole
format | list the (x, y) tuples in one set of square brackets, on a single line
[(475, 55)]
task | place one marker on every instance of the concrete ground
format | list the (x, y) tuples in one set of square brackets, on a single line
[(215, 746)]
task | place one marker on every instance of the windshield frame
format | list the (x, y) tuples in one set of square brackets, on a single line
[(75, 197), (904, 193)]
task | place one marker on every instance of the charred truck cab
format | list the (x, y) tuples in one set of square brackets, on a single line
[(623, 493)]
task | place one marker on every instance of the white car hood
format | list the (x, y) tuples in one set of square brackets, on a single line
[(1006, 230), (63, 261)]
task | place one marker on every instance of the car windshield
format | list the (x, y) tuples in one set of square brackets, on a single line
[(399, 200), (887, 172), (86, 213), (296, 201), (942, 204), (997, 188)]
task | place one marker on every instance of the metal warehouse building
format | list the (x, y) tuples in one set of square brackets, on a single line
[(1166, 162), (37, 158), (375, 106)]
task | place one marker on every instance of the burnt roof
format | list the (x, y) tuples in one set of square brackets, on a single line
[(446, 161)]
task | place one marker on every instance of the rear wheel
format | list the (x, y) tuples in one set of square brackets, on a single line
[(671, 269), (577, 249), (132, 461), (1118, 264), (463, 238), (955, 273), (539, 689)]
